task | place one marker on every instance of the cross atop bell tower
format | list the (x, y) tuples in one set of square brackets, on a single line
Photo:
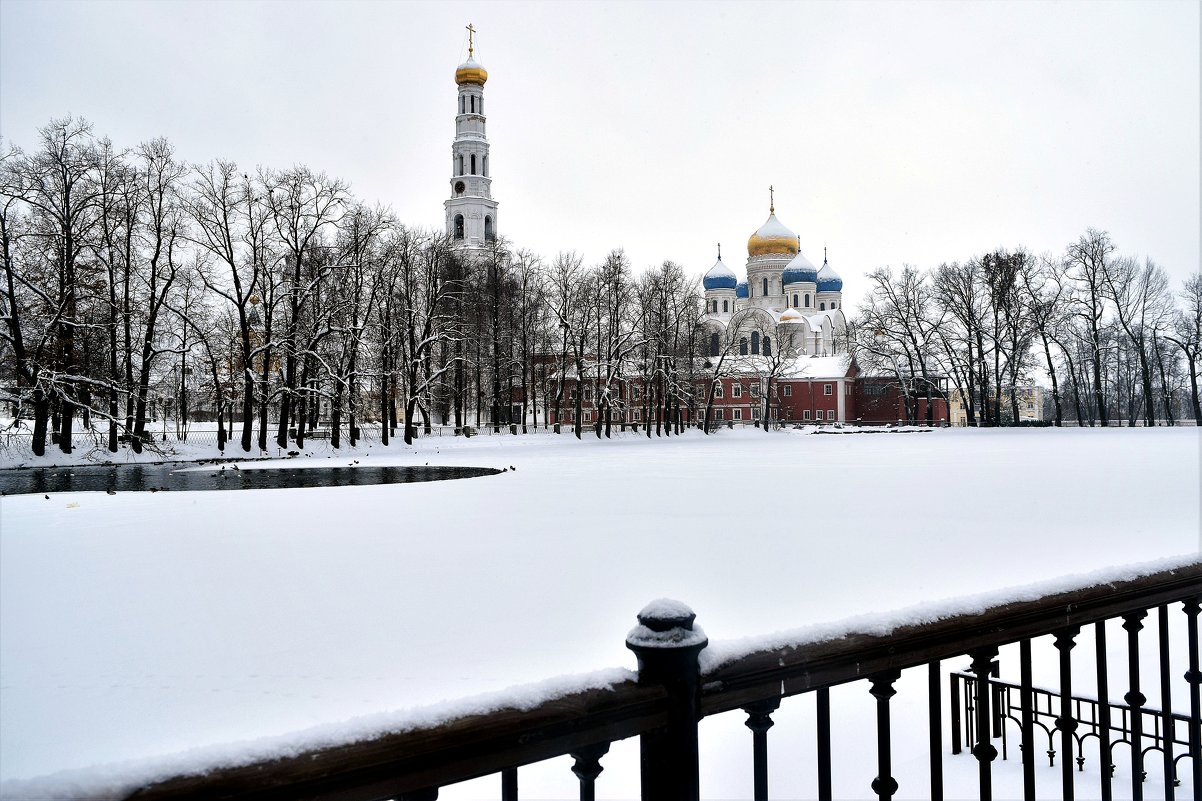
[(471, 212)]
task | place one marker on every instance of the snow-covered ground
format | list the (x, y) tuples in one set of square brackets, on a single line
[(140, 631)]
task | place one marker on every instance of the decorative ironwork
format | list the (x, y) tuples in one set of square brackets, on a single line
[(587, 768), (1092, 719), (759, 720)]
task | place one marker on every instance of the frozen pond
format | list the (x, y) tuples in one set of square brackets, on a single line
[(156, 477)]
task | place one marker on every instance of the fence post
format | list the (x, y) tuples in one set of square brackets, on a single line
[(667, 645)]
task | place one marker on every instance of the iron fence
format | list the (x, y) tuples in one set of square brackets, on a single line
[(671, 694)]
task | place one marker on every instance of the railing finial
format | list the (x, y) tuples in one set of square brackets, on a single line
[(667, 644)]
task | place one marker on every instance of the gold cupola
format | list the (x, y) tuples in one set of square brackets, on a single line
[(470, 71), (773, 236)]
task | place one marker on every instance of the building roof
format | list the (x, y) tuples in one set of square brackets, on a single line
[(828, 279), (772, 237), (800, 270), (719, 277), (471, 71)]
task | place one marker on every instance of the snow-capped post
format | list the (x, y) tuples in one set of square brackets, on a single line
[(667, 645)]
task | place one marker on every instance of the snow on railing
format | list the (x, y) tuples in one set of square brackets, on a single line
[(682, 678)]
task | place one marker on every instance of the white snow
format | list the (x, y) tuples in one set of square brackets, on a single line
[(142, 634), (774, 229)]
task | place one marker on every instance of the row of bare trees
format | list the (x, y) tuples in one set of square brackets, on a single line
[(139, 287), (1107, 331)]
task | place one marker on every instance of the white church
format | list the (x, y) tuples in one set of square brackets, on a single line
[(783, 293)]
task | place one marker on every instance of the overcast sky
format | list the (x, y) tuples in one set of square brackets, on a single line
[(895, 133)]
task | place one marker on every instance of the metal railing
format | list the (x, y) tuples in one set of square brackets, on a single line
[(671, 694), (1165, 731)]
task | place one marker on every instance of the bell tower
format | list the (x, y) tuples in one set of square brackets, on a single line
[(471, 210)]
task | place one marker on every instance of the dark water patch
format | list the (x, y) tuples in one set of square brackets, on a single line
[(163, 477)]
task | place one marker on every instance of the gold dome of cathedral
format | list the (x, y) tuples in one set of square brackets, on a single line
[(772, 237)]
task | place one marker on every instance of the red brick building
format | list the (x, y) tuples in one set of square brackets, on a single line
[(819, 389)]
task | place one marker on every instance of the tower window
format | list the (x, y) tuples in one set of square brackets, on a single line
[(489, 234), (460, 172), (807, 301), (755, 340), (714, 344), (726, 305), (473, 104), (473, 164), (485, 170), (459, 226), (765, 287), (462, 104), (821, 307), (743, 346), (832, 304), (795, 300), (767, 346)]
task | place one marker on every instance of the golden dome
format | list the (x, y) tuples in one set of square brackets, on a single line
[(470, 71), (773, 237)]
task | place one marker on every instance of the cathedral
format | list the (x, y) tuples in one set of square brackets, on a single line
[(784, 295)]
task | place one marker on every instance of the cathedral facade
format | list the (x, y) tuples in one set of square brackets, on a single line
[(783, 299)]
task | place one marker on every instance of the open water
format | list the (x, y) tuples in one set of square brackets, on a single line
[(160, 477)]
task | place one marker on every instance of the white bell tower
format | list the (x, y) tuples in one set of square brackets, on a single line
[(471, 210)]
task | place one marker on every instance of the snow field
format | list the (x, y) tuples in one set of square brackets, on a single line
[(143, 633)]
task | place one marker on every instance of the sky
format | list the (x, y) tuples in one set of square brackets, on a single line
[(894, 133)]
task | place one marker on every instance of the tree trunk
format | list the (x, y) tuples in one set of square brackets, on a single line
[(1047, 352), (336, 417), (41, 416), (1192, 362)]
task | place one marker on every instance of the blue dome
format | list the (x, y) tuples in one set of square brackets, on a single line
[(719, 277), (829, 280), (741, 290), (799, 270)]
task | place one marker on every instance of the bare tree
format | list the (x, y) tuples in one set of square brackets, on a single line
[(303, 205), (423, 291), (1086, 260), (1186, 334), (962, 300), (1140, 294)]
